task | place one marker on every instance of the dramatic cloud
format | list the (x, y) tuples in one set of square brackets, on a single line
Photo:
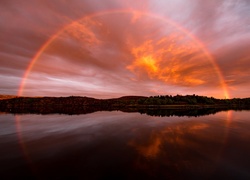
[(113, 48)]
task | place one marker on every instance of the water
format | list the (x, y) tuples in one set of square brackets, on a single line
[(119, 145)]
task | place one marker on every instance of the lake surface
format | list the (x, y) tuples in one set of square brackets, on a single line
[(119, 145)]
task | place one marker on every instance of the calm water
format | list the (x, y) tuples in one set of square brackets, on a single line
[(105, 145)]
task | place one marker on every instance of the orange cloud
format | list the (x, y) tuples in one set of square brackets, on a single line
[(168, 59)]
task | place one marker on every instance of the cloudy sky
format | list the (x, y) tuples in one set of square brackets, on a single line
[(112, 48)]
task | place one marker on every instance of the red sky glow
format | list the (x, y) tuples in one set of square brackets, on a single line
[(112, 48)]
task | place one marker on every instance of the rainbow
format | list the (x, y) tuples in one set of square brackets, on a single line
[(122, 11), (52, 38)]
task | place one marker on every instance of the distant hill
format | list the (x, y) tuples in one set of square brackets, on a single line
[(128, 98), (7, 96)]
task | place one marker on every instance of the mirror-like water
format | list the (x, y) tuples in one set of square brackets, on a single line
[(125, 146)]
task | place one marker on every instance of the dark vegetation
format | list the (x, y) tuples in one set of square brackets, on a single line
[(154, 105)]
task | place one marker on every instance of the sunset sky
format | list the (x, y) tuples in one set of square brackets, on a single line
[(112, 48)]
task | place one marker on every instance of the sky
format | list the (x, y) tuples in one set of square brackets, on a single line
[(113, 48)]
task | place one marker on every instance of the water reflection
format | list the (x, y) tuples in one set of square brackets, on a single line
[(152, 111), (180, 112), (126, 146)]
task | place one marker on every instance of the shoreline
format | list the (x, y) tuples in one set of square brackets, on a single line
[(82, 105)]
